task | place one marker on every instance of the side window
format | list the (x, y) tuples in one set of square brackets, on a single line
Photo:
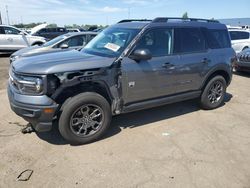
[(60, 30), (44, 30), (157, 41), (10, 30), (75, 41), (91, 37), (189, 40), (52, 30), (217, 38), (2, 30), (239, 35)]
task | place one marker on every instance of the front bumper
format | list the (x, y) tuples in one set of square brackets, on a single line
[(37, 110)]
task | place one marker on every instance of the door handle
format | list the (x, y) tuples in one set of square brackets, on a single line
[(205, 61), (10, 39), (167, 65)]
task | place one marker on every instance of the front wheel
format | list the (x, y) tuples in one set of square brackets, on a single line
[(85, 118), (214, 93)]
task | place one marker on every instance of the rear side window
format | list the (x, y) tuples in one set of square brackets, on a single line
[(217, 38), (239, 35), (189, 40)]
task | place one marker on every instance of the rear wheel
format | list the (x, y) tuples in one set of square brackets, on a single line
[(85, 118), (214, 93)]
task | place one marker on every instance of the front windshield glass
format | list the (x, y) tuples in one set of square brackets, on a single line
[(54, 41), (111, 42)]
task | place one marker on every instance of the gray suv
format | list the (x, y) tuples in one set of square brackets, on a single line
[(130, 66)]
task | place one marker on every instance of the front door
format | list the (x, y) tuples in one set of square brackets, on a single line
[(152, 78), (13, 39)]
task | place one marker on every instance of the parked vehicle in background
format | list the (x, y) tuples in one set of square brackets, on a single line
[(75, 30), (240, 39), (243, 61), (50, 33), (66, 41), (130, 66), (98, 30), (13, 39)]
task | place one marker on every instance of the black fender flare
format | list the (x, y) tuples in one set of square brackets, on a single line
[(220, 69)]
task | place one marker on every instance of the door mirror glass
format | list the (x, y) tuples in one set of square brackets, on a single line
[(64, 46), (141, 54)]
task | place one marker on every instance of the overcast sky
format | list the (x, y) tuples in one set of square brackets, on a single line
[(110, 11)]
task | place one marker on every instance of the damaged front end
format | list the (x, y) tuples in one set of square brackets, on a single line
[(104, 81)]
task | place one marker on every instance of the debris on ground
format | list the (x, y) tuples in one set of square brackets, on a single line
[(27, 129), (25, 175), (165, 134)]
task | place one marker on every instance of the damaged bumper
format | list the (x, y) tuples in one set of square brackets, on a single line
[(37, 110)]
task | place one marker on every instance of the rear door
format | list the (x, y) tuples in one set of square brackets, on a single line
[(2, 39), (12, 39), (191, 46)]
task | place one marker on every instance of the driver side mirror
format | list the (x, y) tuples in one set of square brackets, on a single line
[(64, 46), (141, 54)]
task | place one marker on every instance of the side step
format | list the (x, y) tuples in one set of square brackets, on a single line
[(160, 101)]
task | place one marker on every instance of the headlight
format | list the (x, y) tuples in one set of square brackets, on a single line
[(27, 84), (13, 58)]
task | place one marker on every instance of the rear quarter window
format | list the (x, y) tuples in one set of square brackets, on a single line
[(217, 38)]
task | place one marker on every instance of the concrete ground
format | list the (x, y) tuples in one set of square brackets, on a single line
[(176, 145)]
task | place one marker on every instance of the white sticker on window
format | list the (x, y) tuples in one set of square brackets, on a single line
[(112, 46)]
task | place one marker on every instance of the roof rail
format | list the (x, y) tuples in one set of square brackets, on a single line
[(166, 19), (134, 20)]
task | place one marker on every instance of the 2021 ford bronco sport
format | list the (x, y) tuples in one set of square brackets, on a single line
[(132, 65)]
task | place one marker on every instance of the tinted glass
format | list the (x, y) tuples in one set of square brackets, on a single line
[(75, 41), (10, 30), (44, 30), (188, 40), (239, 35), (217, 38), (157, 41), (2, 30), (91, 37), (61, 29)]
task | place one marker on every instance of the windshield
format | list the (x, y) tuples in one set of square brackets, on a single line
[(54, 41), (111, 42)]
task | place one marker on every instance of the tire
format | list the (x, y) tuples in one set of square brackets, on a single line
[(212, 98), (246, 47), (84, 118)]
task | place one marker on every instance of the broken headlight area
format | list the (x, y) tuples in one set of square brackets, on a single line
[(53, 82)]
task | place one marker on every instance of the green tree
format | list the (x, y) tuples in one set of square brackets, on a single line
[(185, 15)]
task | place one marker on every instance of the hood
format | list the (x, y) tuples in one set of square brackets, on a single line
[(28, 50), (37, 28), (36, 50), (62, 61)]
